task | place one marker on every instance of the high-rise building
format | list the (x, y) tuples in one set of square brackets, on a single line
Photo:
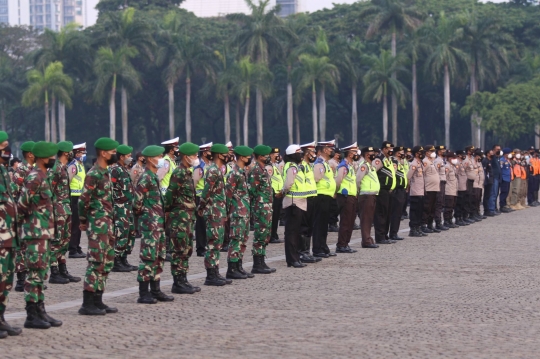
[(288, 7), (213, 8), (14, 12)]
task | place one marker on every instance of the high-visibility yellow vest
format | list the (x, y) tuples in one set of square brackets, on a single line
[(167, 178), (370, 182), (277, 179), (298, 189), (200, 185), (349, 182), (403, 168), (311, 185), (327, 184), (77, 182)]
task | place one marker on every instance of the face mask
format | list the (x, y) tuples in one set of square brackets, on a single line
[(332, 154), (479, 159), (454, 161), (127, 161), (194, 162), (176, 153), (390, 153), (6, 154), (112, 160), (143, 161), (356, 157), (160, 163), (70, 156), (518, 156), (312, 159), (267, 160), (249, 161), (501, 153), (82, 158), (279, 159), (432, 155), (409, 157), (422, 156), (49, 164), (510, 155), (209, 156), (527, 157), (372, 157), (296, 157)]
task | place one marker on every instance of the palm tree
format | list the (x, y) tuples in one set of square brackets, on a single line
[(379, 82), (110, 66), (445, 57), (53, 82), (8, 90), (394, 17), (259, 37), (227, 74)]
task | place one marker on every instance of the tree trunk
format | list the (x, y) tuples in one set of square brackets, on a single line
[(314, 111), (416, 125), (536, 136), (385, 118), (238, 122), (53, 120), (246, 117), (322, 113), (124, 116), (297, 125), (62, 120), (227, 117), (3, 115), (47, 120), (394, 97), (188, 109), (447, 107), (112, 111), (170, 88), (354, 120), (259, 117), (290, 111), (475, 128)]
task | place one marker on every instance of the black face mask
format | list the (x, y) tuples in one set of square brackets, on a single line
[(296, 157), (5, 154), (332, 154), (356, 157), (112, 160), (176, 153), (312, 159), (278, 159), (422, 156), (208, 156), (409, 157), (249, 161), (390, 153), (49, 164), (267, 160), (372, 157), (70, 157)]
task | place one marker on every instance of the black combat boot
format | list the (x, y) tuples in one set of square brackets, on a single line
[(414, 232), (197, 289), (419, 230), (126, 264), (5, 327), (435, 230), (450, 225), (56, 277), (241, 269), (64, 273), (441, 227), (119, 266), (33, 319), (227, 281), (98, 302), (88, 306), (181, 286), (233, 272), (158, 294), (144, 294), (21, 277), (272, 270), (3, 334), (46, 317), (224, 248), (212, 279), (426, 229), (258, 266)]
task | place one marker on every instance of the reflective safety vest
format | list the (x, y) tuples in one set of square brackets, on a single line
[(387, 174), (401, 174), (77, 182), (299, 188), (348, 184), (200, 185), (517, 171), (167, 178), (277, 179), (370, 182), (228, 168), (311, 185), (327, 184)]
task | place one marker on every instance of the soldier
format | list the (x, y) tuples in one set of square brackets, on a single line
[(346, 197), (212, 207), (451, 188), (8, 236), (399, 195), (460, 212), (506, 178), (77, 175), (59, 181), (387, 180), (238, 208), (311, 187), (368, 185), (96, 214), (440, 164), (149, 206), (181, 207), (123, 194), (229, 162), (276, 176), (198, 178), (417, 191), (19, 176), (432, 183), (37, 229), (260, 192)]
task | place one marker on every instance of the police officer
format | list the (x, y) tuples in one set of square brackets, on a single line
[(460, 212), (440, 164), (432, 183), (311, 186), (478, 184), (451, 188), (399, 195), (368, 189), (277, 185), (198, 178), (346, 197), (416, 180), (77, 174), (471, 169), (387, 180), (334, 212), (488, 183)]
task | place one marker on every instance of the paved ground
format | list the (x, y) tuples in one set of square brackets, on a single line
[(472, 292)]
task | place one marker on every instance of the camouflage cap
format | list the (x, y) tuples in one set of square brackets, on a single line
[(124, 149), (153, 151), (27, 146), (219, 148), (3, 136), (243, 151), (65, 146), (106, 144), (188, 149), (262, 150), (44, 149)]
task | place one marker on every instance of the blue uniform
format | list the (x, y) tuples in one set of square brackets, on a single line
[(506, 176)]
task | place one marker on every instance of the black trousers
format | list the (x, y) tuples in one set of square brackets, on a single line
[(293, 216), (321, 215), (382, 215), (276, 214), (200, 232), (407, 201), (416, 210), (460, 211), (449, 204), (470, 199), (398, 198), (75, 240), (505, 190), (430, 199), (439, 205), (334, 213), (477, 199), (347, 214), (487, 194)]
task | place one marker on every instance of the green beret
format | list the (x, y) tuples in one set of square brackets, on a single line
[(124, 150), (188, 149), (153, 151), (3, 136), (106, 144), (27, 146), (243, 151), (44, 149), (65, 146), (262, 150), (219, 148)]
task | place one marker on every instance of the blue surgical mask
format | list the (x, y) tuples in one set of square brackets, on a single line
[(82, 158), (160, 163)]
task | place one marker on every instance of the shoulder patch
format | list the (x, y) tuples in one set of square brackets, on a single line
[(270, 171), (73, 170), (377, 162), (363, 168), (413, 168)]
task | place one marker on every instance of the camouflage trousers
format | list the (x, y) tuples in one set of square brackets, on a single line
[(100, 257), (239, 234), (152, 255), (215, 232), (7, 270), (20, 258), (59, 246), (37, 264), (124, 230), (182, 229), (263, 227)]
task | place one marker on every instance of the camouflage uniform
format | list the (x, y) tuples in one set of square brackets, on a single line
[(35, 207), (237, 197), (149, 206), (260, 192), (180, 206), (8, 236), (59, 180), (19, 176), (124, 225), (96, 211), (212, 205)]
